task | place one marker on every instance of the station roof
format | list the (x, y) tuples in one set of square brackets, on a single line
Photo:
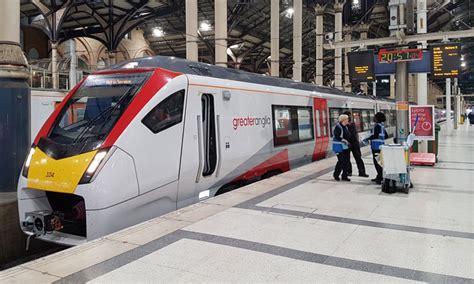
[(248, 27)]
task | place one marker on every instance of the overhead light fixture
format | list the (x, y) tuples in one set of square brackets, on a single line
[(234, 46), (158, 32), (205, 26), (289, 12), (463, 64), (462, 57)]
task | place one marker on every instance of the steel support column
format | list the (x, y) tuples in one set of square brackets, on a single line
[(448, 105), (347, 81), (456, 110), (54, 65), (319, 44), (401, 90), (73, 64), (192, 52), (297, 38), (220, 12), (14, 98), (422, 78), (275, 38), (364, 30), (338, 7)]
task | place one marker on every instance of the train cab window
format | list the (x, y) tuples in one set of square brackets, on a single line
[(318, 127), (292, 124), (166, 114)]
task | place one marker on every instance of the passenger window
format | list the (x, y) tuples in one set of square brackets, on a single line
[(305, 126), (325, 133), (292, 124), (166, 114), (318, 127)]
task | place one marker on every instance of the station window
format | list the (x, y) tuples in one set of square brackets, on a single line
[(292, 124), (166, 114)]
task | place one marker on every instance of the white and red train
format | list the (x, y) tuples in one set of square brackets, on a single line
[(156, 134)]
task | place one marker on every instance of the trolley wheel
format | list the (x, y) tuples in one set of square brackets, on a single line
[(411, 185), (386, 185), (405, 189)]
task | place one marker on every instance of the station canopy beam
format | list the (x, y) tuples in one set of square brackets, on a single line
[(400, 39)]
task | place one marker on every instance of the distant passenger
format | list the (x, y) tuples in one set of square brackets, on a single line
[(471, 117), (379, 134), (341, 134)]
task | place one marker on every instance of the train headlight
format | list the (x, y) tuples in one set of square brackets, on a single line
[(93, 166), (26, 167)]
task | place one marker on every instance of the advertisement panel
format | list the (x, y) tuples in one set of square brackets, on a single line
[(423, 117)]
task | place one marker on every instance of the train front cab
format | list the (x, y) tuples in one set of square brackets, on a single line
[(113, 166)]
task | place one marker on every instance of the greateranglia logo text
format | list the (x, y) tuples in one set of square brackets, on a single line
[(250, 121)]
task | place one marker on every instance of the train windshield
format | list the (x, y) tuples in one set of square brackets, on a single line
[(91, 113)]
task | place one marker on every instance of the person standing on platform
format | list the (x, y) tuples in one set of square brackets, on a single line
[(341, 134), (379, 134), (355, 148)]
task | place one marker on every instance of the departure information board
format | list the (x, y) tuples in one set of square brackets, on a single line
[(445, 60), (361, 66)]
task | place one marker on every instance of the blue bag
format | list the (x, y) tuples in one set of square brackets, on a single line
[(376, 143), (339, 146)]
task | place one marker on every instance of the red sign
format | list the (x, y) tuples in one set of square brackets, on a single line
[(422, 122)]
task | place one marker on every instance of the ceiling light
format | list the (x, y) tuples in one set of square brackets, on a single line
[(158, 32), (205, 26), (289, 12), (463, 64), (234, 46)]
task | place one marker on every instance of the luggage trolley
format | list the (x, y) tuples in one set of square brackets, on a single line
[(395, 160)]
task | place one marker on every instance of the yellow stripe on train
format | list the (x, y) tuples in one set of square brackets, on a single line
[(61, 175)]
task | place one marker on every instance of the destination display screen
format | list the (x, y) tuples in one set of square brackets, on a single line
[(445, 60), (361, 66)]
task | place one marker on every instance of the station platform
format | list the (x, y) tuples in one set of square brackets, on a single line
[(300, 226)]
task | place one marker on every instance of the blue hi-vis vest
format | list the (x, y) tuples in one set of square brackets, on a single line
[(376, 143), (339, 146)]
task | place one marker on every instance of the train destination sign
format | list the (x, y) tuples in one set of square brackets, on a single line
[(445, 60), (389, 56), (361, 66)]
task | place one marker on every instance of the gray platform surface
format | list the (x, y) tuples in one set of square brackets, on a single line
[(300, 226)]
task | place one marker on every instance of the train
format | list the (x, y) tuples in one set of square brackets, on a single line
[(149, 136)]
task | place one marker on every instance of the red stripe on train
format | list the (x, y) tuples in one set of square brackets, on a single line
[(279, 162)]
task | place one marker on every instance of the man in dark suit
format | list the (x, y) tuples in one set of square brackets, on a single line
[(355, 147)]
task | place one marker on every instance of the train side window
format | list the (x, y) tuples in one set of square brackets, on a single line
[(366, 119), (166, 114), (371, 119), (305, 124), (334, 117), (292, 124), (357, 121), (325, 133), (318, 127)]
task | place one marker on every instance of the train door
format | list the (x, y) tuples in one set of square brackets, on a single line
[(322, 130), (201, 152)]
